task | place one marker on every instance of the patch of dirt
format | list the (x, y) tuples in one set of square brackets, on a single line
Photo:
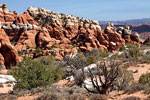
[(5, 89), (140, 69)]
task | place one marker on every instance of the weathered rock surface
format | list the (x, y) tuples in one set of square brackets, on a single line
[(26, 39), (7, 51), (7, 80), (43, 32)]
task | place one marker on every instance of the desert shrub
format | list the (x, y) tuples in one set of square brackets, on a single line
[(33, 73), (7, 97), (22, 92), (73, 90), (145, 59), (129, 45), (38, 49), (132, 98), (134, 88), (116, 56), (19, 92), (91, 59), (147, 89), (147, 44), (134, 51), (97, 53), (74, 63), (122, 48), (75, 97), (104, 53), (77, 89), (79, 78), (93, 56), (49, 96), (107, 76), (47, 60), (124, 79), (145, 79), (98, 97)]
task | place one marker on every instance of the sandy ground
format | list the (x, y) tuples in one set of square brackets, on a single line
[(5, 89), (141, 69)]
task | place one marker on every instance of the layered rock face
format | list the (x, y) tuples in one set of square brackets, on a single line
[(8, 53), (43, 32)]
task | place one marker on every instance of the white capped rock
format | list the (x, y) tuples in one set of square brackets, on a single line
[(127, 27), (86, 25), (113, 43), (126, 31), (98, 27), (34, 26), (95, 22), (91, 66), (135, 34), (25, 27), (8, 78), (29, 27)]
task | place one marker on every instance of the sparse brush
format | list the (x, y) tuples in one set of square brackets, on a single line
[(132, 98), (75, 97), (98, 97), (7, 97), (49, 96)]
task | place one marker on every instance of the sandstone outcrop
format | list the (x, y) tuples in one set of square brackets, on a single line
[(7, 51), (26, 39), (43, 32)]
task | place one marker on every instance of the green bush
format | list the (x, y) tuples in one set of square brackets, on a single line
[(95, 55), (35, 73), (122, 48), (145, 79), (91, 60), (134, 51), (124, 79)]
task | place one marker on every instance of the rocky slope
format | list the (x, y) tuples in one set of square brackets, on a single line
[(43, 32)]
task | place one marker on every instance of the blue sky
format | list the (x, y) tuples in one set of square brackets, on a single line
[(103, 10)]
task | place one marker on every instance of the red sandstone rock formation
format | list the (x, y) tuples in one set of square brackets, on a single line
[(26, 39), (57, 35), (25, 18), (7, 51)]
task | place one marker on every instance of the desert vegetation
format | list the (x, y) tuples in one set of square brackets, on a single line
[(94, 75)]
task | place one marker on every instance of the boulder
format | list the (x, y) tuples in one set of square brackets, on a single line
[(26, 39), (25, 18), (44, 40), (8, 51)]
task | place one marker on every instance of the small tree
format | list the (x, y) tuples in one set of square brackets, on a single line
[(108, 73), (75, 63)]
